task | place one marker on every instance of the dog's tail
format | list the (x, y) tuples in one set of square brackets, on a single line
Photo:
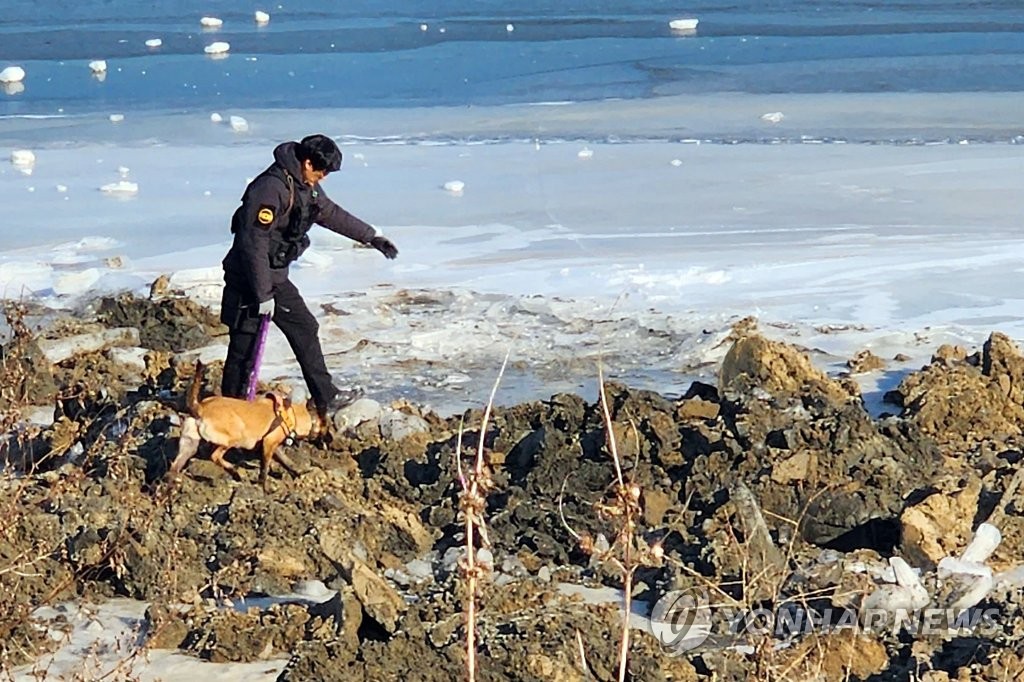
[(192, 402)]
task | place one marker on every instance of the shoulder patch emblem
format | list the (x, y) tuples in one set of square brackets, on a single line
[(265, 216)]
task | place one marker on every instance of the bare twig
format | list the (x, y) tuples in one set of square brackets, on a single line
[(475, 485)]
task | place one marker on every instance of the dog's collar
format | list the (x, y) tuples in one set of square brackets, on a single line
[(284, 416)]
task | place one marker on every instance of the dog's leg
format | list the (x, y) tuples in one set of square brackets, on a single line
[(218, 458), (188, 444), (269, 445)]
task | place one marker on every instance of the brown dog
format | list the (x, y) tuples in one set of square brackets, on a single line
[(268, 421)]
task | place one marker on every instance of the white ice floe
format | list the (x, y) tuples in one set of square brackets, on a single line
[(154, 42), (123, 171), (116, 118), (423, 27), (12, 74), (509, 27), (61, 189), (23, 158), (216, 118), (98, 65), (211, 22), (585, 153), (261, 17), (12, 88), (313, 258), (219, 47), (773, 117), (684, 24), (454, 186), (122, 187), (676, 162), (238, 124)]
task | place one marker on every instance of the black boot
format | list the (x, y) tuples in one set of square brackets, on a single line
[(342, 398)]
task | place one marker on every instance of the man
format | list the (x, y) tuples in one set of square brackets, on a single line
[(270, 227)]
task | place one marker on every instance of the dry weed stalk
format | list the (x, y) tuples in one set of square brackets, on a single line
[(476, 483), (622, 508)]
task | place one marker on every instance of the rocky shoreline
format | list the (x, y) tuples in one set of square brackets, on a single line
[(772, 492)]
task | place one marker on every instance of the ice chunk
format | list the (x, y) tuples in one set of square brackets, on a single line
[(12, 88), (423, 27), (12, 74), (585, 153), (949, 566), (216, 118), (454, 186), (98, 65), (116, 118), (59, 350), (238, 124), (509, 27), (985, 541), (676, 162), (684, 24), (154, 42), (219, 47), (773, 117), (23, 158), (123, 187), (211, 22), (261, 17)]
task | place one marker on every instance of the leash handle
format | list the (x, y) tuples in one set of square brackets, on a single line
[(257, 359)]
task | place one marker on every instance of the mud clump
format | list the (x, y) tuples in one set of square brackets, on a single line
[(775, 489), (168, 324)]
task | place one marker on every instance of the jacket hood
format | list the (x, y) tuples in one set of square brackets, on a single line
[(284, 156)]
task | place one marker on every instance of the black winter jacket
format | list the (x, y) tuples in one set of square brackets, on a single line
[(271, 225)]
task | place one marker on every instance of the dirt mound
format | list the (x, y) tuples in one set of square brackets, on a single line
[(169, 324), (961, 401), (776, 490)]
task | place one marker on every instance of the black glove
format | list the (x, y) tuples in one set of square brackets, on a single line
[(384, 245)]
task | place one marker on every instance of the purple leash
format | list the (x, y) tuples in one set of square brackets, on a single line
[(261, 342)]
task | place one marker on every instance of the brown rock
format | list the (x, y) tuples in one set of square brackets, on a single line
[(949, 354), (1002, 363), (940, 525), (777, 368), (655, 504), (282, 562), (695, 408), (958, 406), (865, 361), (837, 656), (380, 601), (800, 467)]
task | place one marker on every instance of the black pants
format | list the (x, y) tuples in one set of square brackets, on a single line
[(241, 314)]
